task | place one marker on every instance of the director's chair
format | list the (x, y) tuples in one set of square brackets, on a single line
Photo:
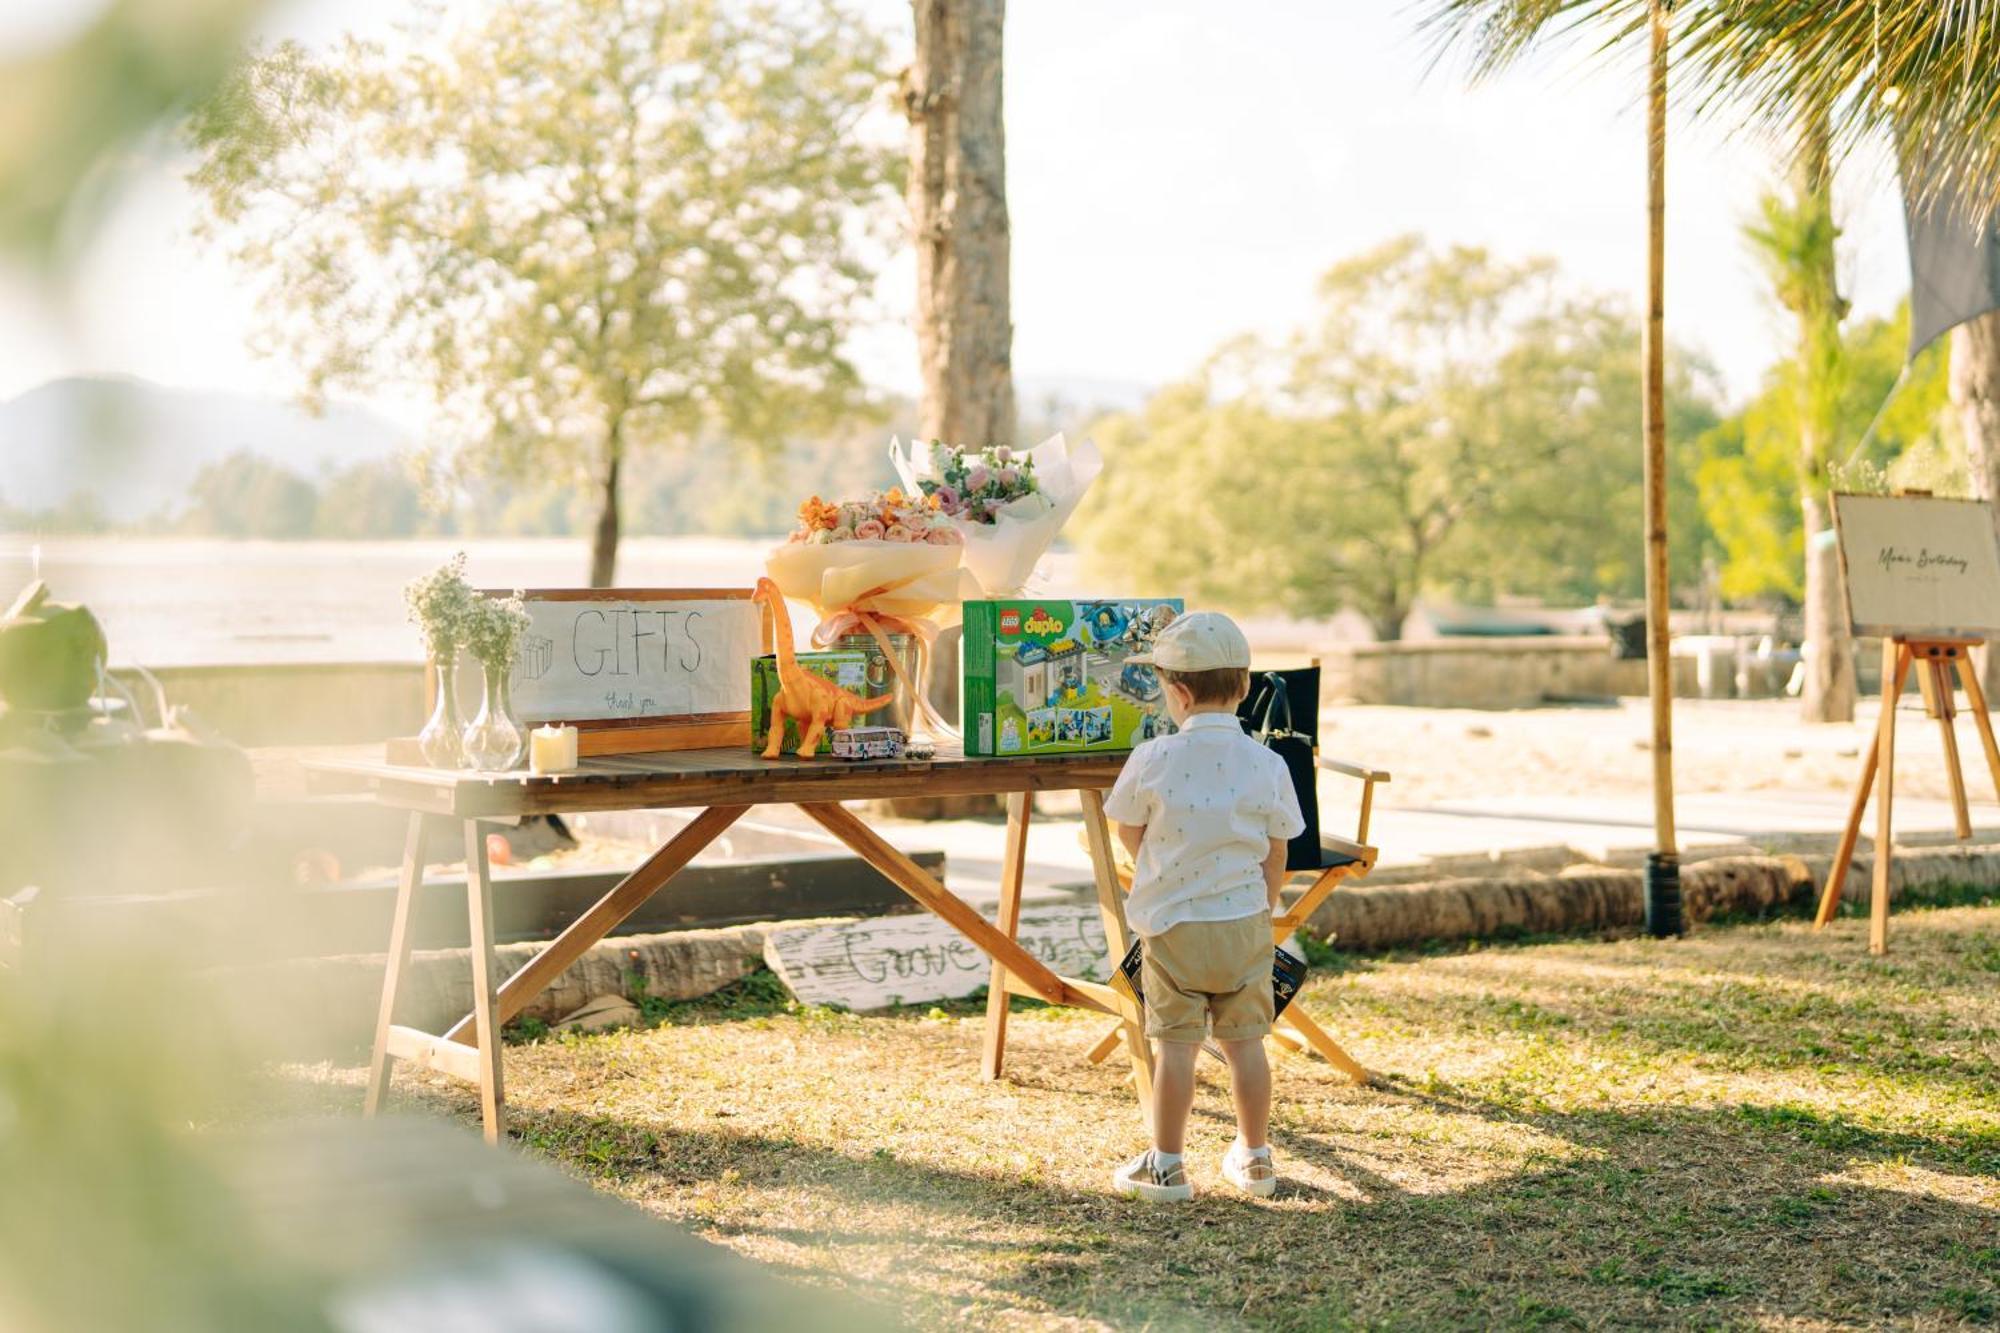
[(1338, 861)]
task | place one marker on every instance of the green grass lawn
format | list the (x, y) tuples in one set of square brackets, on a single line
[(1754, 1126)]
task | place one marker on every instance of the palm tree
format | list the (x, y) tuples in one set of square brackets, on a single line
[(1795, 240), (1864, 65), (1818, 76)]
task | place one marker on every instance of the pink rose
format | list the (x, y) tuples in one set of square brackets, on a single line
[(948, 499), (1008, 476), (917, 524), (1003, 455), (944, 537), (976, 479), (897, 533), (869, 530)]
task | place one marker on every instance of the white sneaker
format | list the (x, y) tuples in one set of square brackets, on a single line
[(1141, 1179), (1250, 1170)]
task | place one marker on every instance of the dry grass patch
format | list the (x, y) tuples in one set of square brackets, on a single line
[(1751, 1127)]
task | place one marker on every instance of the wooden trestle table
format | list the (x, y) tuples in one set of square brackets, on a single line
[(724, 784)]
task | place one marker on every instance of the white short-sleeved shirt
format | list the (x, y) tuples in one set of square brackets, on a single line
[(1211, 800)]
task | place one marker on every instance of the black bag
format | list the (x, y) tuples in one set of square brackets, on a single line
[(1288, 973), (1267, 716)]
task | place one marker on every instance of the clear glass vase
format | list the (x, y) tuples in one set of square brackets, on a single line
[(442, 740), (495, 740)]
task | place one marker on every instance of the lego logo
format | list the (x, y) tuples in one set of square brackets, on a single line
[(1010, 622)]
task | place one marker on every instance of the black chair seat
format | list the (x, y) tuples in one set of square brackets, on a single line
[(1332, 858)]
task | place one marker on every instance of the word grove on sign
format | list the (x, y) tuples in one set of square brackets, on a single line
[(593, 660)]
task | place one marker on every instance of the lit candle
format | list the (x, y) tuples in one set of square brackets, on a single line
[(552, 749)]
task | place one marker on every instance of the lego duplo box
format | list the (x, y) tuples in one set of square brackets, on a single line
[(860, 672), (1052, 677)]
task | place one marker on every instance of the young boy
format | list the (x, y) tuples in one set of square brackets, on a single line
[(1207, 813)]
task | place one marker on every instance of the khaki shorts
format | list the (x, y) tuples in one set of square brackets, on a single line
[(1203, 971)]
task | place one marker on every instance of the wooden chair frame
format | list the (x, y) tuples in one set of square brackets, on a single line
[(1345, 860)]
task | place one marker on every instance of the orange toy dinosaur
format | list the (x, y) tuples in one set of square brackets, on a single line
[(813, 701)]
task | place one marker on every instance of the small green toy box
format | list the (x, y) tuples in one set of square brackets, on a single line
[(860, 672), (1051, 677)]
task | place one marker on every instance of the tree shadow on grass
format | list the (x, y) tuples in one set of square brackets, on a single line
[(1676, 1217)]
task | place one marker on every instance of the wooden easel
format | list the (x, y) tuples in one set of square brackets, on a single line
[(1933, 660)]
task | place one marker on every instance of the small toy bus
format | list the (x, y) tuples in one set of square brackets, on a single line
[(868, 743)]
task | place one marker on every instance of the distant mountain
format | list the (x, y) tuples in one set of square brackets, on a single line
[(137, 446)]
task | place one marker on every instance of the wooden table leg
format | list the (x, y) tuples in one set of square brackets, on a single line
[(1026, 970), (1013, 870), (399, 958), (623, 899), (479, 912), (1895, 661), (1112, 911)]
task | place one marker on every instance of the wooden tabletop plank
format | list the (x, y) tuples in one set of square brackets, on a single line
[(729, 776)]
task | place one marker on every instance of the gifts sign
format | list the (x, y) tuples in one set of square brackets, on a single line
[(640, 668), (1919, 567)]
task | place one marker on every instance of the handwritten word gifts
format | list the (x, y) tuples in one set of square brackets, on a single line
[(640, 668)]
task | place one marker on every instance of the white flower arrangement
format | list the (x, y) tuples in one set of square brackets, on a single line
[(441, 605)]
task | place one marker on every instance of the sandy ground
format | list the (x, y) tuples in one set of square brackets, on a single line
[(1440, 754)]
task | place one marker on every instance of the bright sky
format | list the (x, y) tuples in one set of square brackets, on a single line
[(1179, 171)]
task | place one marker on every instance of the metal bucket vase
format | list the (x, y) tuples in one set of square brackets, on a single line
[(904, 686)]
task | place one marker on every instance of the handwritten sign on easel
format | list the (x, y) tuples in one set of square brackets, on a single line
[(640, 668), (1918, 566), (1923, 575)]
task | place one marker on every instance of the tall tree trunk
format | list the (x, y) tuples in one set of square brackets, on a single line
[(1829, 687), (1975, 396), (1829, 647), (604, 542), (958, 208)]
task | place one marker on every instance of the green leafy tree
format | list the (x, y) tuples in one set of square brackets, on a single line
[(246, 495), (589, 227), (1749, 464), (1450, 422), (1818, 78), (375, 499)]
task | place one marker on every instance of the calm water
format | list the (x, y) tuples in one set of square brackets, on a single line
[(174, 602)]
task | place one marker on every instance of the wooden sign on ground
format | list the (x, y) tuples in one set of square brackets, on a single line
[(891, 960)]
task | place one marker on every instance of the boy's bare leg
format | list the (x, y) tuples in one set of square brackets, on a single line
[(1173, 1092), (1250, 1085)]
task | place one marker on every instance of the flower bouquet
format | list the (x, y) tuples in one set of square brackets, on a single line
[(1007, 507), (890, 555), (882, 566)]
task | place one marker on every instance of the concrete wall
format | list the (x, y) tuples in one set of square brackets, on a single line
[(334, 703), (351, 702), (1485, 673)]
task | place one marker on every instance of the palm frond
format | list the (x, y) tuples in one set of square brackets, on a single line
[(1926, 70)]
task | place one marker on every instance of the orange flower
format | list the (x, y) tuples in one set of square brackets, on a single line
[(817, 513)]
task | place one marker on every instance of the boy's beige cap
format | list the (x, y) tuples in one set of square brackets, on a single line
[(1198, 641)]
